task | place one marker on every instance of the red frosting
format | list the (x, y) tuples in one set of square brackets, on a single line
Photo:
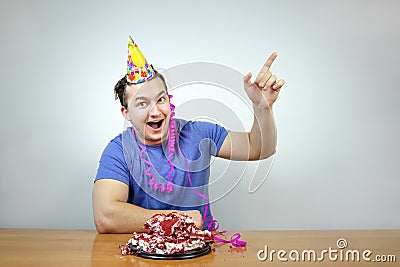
[(168, 234)]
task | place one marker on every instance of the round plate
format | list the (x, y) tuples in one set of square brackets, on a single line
[(176, 256)]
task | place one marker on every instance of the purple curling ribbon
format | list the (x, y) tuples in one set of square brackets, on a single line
[(171, 150), (171, 141), (234, 239), (155, 185)]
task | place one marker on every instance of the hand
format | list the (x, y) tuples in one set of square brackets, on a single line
[(265, 89), (196, 217)]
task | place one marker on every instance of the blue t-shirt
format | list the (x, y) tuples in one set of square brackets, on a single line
[(197, 142)]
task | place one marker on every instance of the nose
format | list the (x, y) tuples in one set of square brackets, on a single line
[(154, 110)]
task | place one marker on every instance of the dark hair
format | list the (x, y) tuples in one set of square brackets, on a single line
[(120, 88)]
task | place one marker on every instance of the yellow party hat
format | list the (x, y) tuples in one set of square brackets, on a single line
[(138, 69)]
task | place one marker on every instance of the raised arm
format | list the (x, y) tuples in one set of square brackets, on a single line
[(112, 214), (260, 142)]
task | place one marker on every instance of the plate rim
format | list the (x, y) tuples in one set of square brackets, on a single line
[(175, 256)]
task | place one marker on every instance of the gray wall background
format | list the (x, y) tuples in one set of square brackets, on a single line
[(337, 116)]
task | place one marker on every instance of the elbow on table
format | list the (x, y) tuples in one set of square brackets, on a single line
[(104, 222), (102, 226)]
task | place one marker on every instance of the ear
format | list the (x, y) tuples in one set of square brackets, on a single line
[(125, 113)]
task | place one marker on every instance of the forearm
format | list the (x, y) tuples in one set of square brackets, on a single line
[(112, 213), (263, 134), (122, 217)]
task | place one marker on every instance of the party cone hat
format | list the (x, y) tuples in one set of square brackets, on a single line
[(138, 69)]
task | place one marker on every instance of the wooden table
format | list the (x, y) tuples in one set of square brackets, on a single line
[(30, 247)]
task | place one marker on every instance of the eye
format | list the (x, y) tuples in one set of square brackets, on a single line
[(162, 99), (142, 104)]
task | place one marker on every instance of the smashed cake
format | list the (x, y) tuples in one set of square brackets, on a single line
[(168, 234)]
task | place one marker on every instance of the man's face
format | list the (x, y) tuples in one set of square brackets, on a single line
[(148, 111)]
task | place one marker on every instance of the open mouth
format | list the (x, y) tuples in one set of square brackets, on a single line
[(155, 124)]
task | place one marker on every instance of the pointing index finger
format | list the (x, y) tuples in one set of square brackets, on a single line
[(266, 66), (270, 60)]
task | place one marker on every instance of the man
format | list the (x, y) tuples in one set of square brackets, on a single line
[(162, 163)]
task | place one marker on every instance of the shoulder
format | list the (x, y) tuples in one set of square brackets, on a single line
[(112, 162), (200, 130), (206, 129), (197, 126), (115, 145)]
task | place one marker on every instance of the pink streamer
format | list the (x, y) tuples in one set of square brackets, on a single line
[(234, 240), (171, 150), (171, 140)]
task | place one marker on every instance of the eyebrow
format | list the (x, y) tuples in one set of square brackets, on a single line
[(144, 98)]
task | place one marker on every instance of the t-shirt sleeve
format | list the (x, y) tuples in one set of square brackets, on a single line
[(112, 163), (212, 131)]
